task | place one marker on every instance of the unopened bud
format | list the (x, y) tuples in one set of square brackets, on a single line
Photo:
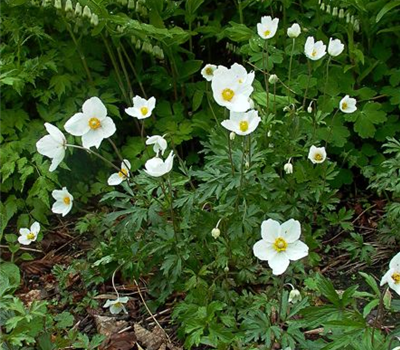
[(273, 79), (335, 11), (322, 7), (131, 4), (357, 25), (269, 133), (68, 6), (78, 9), (387, 299), (352, 19), (309, 109), (328, 9), (341, 13), (288, 168), (138, 45), (247, 164), (348, 18), (226, 268), (294, 296), (232, 136), (86, 12), (215, 232), (57, 4), (94, 19)]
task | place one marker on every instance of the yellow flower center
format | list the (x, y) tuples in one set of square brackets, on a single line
[(209, 71), (244, 125), (344, 105), (396, 278), (227, 94), (123, 173), (280, 245), (94, 123), (318, 157), (267, 32), (314, 53), (67, 200), (30, 235), (118, 304), (144, 110)]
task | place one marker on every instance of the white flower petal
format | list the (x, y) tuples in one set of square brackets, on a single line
[(291, 230), (24, 231), (55, 133), (270, 230), (35, 228), (115, 179), (48, 147), (94, 108), (92, 138), (24, 240), (263, 250), (387, 276), (296, 250), (78, 124), (108, 127), (279, 263), (395, 262)]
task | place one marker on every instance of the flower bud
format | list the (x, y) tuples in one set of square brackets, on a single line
[(294, 296), (68, 6), (215, 232), (328, 9), (273, 79), (78, 9), (387, 299), (86, 12), (341, 13), (288, 168), (247, 164), (226, 268), (94, 19), (131, 4), (309, 109), (352, 19), (335, 11), (348, 18), (357, 25), (294, 31), (232, 136), (57, 4), (322, 7), (269, 134)]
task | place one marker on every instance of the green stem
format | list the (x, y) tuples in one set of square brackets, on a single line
[(266, 57), (134, 71), (290, 70), (230, 153), (275, 98), (308, 83), (377, 322), (128, 82), (81, 55), (282, 280), (327, 78), (240, 11), (96, 154)]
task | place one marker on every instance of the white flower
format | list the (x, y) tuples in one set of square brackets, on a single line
[(294, 296), (157, 167), (208, 71), (160, 144), (232, 87), (117, 305), (314, 51), (288, 168), (392, 277), (268, 27), (242, 123), (273, 79), (123, 174), (52, 145), (348, 104), (63, 203), (294, 31), (335, 47), (93, 124), (142, 108), (280, 244), (29, 235), (215, 232), (317, 155)]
